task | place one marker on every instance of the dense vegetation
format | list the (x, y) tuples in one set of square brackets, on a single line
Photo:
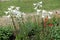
[(6, 33), (31, 27)]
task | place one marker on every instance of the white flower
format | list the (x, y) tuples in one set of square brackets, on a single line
[(8, 16), (35, 8), (49, 17), (37, 5), (44, 11), (15, 12), (9, 9), (43, 16), (12, 7), (50, 12), (34, 4), (18, 15), (38, 11), (40, 2), (6, 12), (40, 5), (17, 8)]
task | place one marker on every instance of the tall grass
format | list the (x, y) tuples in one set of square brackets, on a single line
[(33, 28)]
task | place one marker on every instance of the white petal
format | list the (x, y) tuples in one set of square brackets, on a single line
[(35, 8), (40, 2), (18, 15), (12, 7), (49, 17), (9, 9), (38, 10), (16, 12), (17, 8), (40, 5), (6, 12), (50, 12), (34, 4), (42, 16), (44, 11)]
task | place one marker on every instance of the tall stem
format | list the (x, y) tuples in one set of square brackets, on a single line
[(15, 27)]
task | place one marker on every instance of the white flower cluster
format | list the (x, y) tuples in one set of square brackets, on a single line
[(37, 5), (44, 13), (14, 11)]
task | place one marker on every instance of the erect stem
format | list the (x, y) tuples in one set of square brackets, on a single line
[(15, 27)]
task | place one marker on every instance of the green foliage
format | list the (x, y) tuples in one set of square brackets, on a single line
[(5, 32), (29, 30), (54, 31), (34, 31)]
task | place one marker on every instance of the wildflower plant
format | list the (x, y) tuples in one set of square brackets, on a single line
[(48, 22), (14, 13), (38, 7)]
